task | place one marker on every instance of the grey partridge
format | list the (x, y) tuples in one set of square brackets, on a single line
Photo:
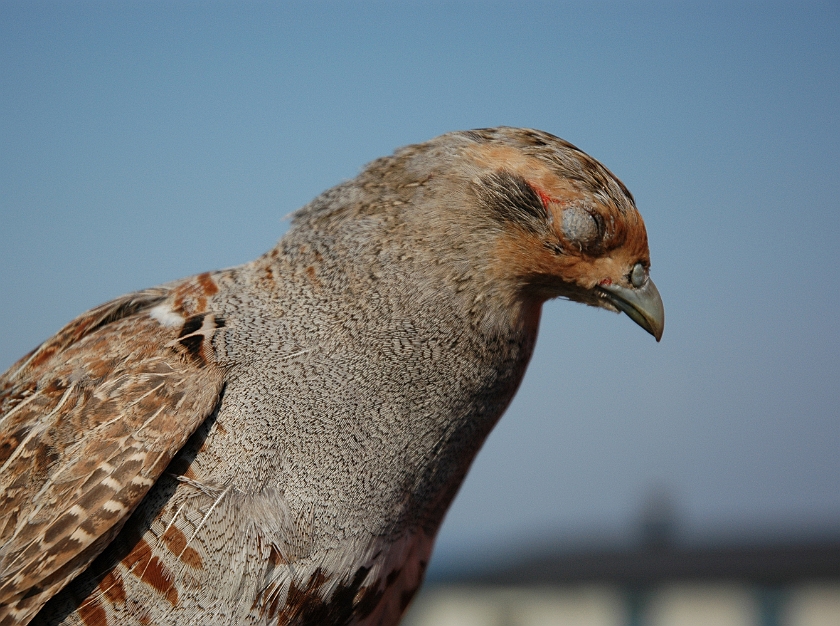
[(277, 443)]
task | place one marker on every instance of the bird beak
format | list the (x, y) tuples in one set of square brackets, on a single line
[(642, 305)]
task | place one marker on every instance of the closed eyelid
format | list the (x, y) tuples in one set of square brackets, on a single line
[(580, 225)]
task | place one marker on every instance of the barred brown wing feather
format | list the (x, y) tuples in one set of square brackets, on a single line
[(88, 422)]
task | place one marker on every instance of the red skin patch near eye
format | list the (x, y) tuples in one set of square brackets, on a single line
[(606, 281), (544, 197)]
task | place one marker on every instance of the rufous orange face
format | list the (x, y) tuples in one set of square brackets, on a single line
[(583, 238)]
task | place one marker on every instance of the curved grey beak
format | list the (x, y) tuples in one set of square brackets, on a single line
[(642, 305)]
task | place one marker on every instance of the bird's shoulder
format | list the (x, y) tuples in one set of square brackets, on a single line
[(88, 422)]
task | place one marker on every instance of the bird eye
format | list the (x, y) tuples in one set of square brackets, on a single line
[(638, 275), (581, 226)]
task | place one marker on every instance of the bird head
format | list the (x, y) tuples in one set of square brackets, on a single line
[(566, 226), (510, 216)]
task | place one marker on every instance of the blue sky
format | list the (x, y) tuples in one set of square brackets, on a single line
[(143, 142)]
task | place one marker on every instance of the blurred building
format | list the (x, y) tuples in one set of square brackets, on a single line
[(656, 584), (659, 581)]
